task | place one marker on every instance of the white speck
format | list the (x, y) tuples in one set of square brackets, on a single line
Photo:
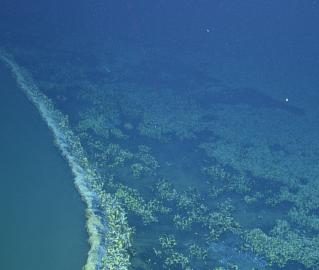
[(286, 99)]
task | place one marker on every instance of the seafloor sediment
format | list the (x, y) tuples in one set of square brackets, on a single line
[(202, 171)]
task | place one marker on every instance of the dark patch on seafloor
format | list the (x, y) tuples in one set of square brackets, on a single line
[(246, 96)]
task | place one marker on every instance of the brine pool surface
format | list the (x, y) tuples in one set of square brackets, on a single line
[(42, 223)]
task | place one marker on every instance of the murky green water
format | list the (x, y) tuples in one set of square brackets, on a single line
[(42, 217)]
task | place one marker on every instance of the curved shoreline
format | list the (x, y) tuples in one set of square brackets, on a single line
[(109, 233)]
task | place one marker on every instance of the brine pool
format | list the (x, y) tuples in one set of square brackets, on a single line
[(42, 223)]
